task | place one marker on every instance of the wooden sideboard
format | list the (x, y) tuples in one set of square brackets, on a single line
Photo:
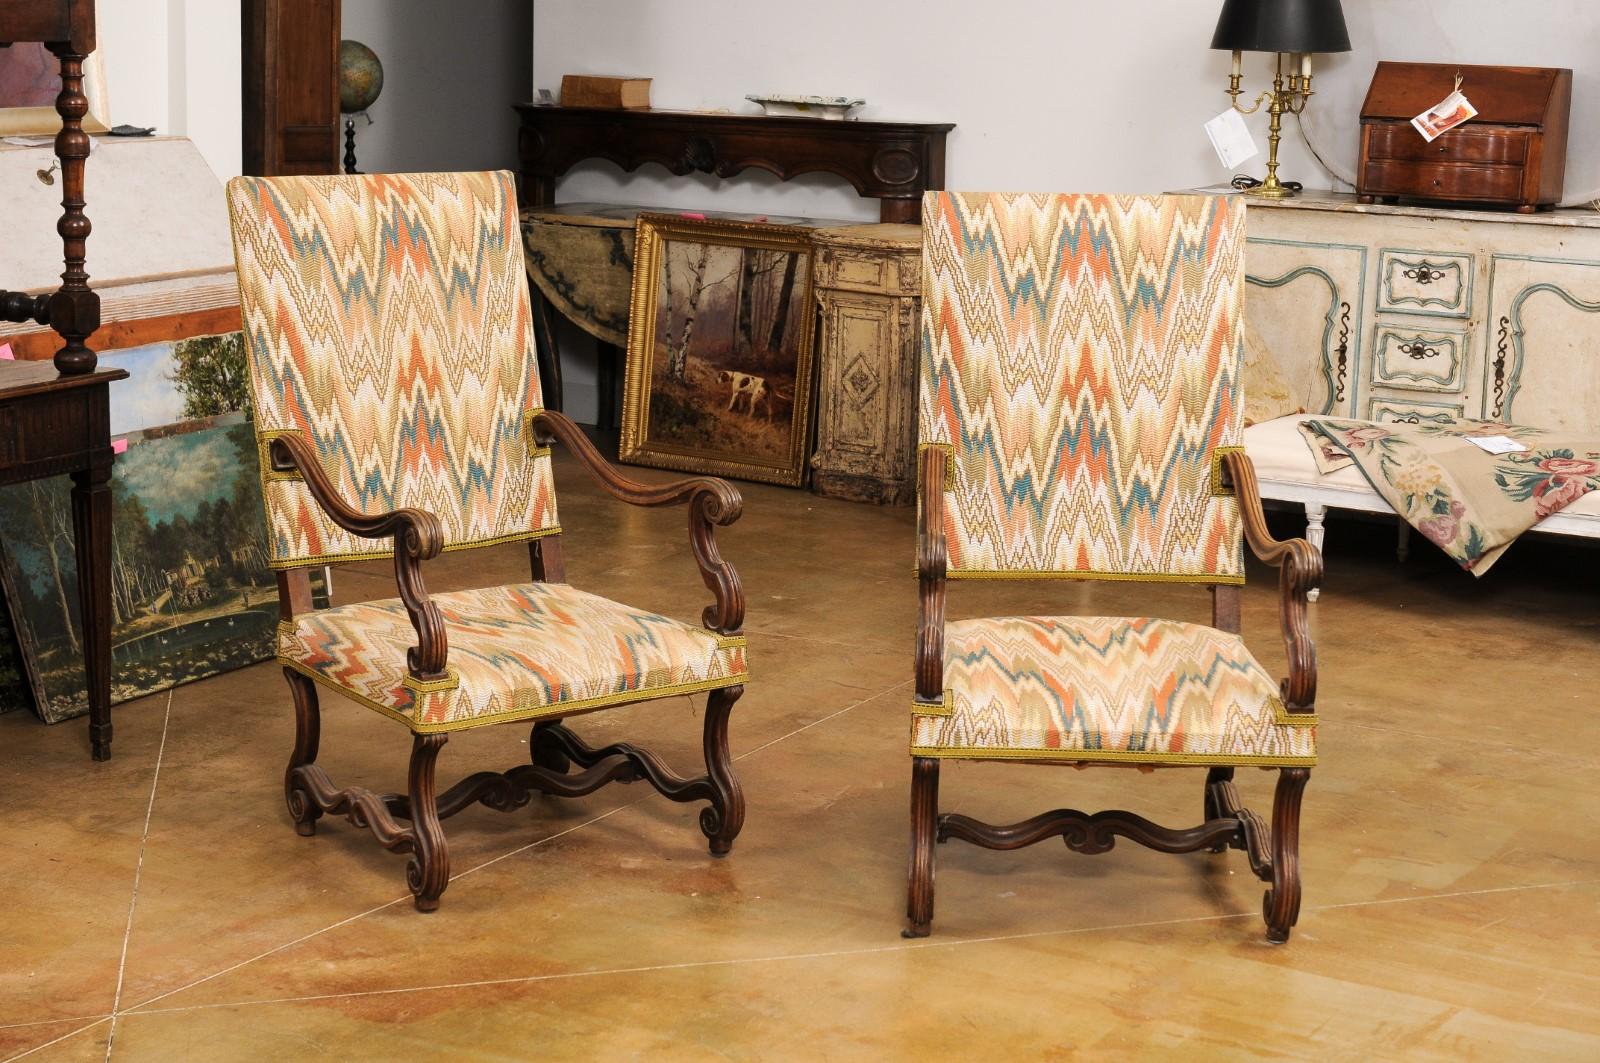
[(1415, 314), (869, 288), (892, 162)]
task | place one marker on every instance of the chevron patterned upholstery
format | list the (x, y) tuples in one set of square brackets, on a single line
[(516, 653), (1081, 366), (1106, 689), (387, 322), (1081, 363)]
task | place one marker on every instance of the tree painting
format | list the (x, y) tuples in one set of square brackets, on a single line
[(190, 590), (729, 321), (211, 374)]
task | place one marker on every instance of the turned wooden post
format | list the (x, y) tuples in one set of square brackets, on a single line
[(74, 310)]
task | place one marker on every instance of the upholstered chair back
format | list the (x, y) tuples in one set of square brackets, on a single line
[(1080, 365), (387, 323)]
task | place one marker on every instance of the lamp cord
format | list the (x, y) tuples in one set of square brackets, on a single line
[(1243, 181)]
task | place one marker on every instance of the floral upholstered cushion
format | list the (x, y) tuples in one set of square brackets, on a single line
[(1107, 689), (1081, 365), (517, 652)]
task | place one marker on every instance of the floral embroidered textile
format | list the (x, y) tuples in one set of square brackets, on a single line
[(1470, 503)]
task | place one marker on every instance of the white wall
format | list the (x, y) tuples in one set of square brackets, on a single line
[(451, 74), (1047, 94), (1090, 95), (174, 64)]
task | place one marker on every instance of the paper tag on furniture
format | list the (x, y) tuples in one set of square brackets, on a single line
[(1496, 444), (1231, 138), (1444, 116)]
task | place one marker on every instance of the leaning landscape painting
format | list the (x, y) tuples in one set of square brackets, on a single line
[(719, 365), (190, 589)]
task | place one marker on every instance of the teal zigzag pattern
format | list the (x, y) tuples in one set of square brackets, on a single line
[(519, 651), (387, 322), (1081, 355), (1108, 687)]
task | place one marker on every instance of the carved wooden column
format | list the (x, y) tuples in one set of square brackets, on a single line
[(74, 310)]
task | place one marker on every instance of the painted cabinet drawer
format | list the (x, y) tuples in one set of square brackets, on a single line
[(1413, 411), (1425, 282), (1419, 359)]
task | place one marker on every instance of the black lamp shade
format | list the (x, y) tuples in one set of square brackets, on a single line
[(1281, 26)]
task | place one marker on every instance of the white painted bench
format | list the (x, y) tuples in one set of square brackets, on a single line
[(1288, 473)]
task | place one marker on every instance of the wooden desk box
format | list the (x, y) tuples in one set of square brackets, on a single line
[(1512, 155)]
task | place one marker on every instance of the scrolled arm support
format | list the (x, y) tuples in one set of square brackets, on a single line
[(1299, 567), (712, 503), (418, 536), (933, 560)]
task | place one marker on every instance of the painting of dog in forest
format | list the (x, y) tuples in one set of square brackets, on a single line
[(719, 352)]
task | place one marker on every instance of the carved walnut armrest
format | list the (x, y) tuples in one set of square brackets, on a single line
[(1299, 567), (712, 502), (418, 536), (932, 561)]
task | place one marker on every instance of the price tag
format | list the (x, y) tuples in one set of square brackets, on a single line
[(1496, 444), (1231, 138), (1444, 116)]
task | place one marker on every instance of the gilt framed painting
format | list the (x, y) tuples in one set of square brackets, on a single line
[(720, 341), (30, 81)]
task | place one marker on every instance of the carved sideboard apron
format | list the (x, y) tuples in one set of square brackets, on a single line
[(1421, 314)]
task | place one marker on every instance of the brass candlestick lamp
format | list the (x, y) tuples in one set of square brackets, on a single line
[(1292, 28)]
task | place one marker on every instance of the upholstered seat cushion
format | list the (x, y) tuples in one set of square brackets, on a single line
[(1107, 689), (517, 652)]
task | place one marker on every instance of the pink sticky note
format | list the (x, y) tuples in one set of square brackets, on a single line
[(119, 446), (759, 218), (6, 353), (692, 214)]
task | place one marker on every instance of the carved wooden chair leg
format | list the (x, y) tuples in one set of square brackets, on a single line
[(545, 751), (428, 871), (307, 734), (725, 818), (1281, 906), (1216, 775), (924, 825)]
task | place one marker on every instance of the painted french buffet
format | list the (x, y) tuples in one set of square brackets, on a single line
[(1398, 313)]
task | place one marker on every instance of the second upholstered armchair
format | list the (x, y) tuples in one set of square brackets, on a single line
[(1080, 418), (387, 326)]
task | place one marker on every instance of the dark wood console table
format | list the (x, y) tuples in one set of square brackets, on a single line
[(55, 419), (893, 162)]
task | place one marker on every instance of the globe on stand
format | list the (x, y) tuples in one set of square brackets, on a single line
[(360, 84)]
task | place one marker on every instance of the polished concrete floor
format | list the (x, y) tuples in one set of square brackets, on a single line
[(160, 907)]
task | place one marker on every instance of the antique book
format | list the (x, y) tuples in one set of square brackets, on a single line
[(595, 90)]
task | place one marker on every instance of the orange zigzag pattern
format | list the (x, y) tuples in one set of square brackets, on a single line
[(1081, 355), (386, 319), (1109, 686)]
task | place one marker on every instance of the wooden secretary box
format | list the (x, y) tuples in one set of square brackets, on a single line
[(1513, 154)]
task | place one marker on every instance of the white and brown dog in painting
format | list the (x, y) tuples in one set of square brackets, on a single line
[(747, 386)]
